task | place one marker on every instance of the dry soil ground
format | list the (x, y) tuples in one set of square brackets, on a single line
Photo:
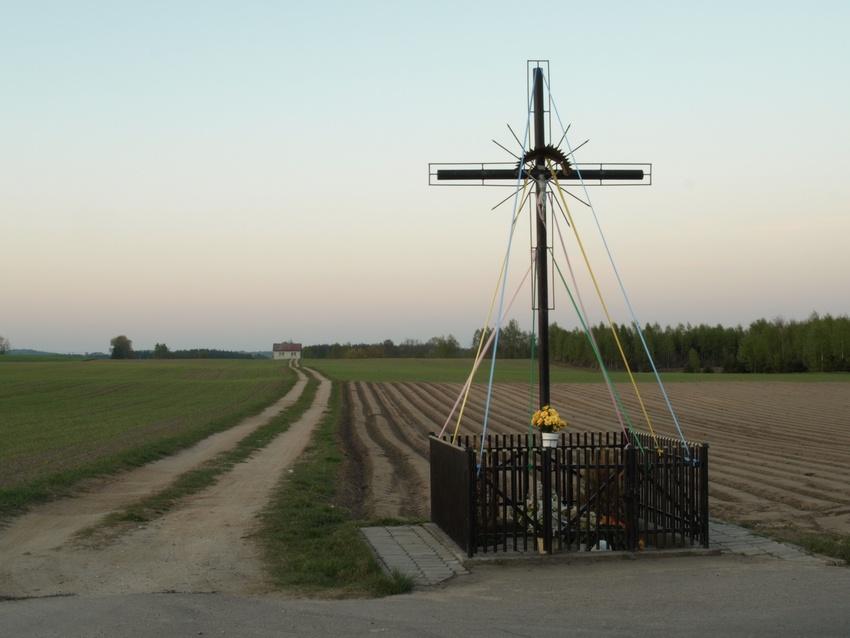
[(778, 455), (778, 451)]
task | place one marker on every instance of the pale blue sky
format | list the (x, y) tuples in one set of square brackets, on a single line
[(229, 174)]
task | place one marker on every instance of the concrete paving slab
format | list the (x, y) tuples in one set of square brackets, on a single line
[(734, 539), (426, 554), (415, 551)]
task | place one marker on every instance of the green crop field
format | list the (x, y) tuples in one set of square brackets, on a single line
[(65, 419), (512, 371)]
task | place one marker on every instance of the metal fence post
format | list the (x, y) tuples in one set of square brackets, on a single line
[(547, 499), (471, 498), (703, 491), (632, 522)]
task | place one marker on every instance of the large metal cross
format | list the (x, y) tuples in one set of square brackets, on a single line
[(535, 167)]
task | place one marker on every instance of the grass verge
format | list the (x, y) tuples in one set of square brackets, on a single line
[(311, 547), (822, 543)]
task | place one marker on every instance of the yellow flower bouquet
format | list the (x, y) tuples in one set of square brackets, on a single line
[(546, 419)]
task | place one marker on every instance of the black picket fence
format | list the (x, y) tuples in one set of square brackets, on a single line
[(592, 491)]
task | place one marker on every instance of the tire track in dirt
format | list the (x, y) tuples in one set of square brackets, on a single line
[(198, 546)]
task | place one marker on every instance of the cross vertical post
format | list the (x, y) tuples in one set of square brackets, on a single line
[(542, 239), (542, 265)]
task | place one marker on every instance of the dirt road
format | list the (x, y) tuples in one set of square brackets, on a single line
[(199, 546)]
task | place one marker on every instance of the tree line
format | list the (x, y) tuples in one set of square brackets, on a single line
[(121, 347), (818, 344), (514, 343)]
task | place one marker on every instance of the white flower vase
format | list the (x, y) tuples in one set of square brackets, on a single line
[(550, 439)]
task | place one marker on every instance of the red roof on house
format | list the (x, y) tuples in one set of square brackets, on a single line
[(287, 347)]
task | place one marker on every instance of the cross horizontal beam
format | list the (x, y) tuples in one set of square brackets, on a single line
[(641, 173)]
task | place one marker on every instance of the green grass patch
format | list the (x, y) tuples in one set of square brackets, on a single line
[(312, 547), (823, 543), (66, 420), (440, 371), (514, 371)]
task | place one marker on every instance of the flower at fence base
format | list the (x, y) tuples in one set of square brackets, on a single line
[(611, 522), (534, 512), (547, 419)]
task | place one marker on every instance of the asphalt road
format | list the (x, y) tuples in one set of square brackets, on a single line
[(724, 595)]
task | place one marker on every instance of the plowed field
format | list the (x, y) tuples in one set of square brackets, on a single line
[(778, 450)]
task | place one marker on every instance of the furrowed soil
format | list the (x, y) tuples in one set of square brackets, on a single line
[(777, 450), (778, 456)]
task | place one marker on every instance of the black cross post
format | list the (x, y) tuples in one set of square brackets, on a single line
[(541, 174)]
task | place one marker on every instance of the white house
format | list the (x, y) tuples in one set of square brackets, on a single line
[(286, 350)]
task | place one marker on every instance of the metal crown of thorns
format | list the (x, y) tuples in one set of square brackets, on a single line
[(547, 151)]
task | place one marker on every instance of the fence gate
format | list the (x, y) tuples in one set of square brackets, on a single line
[(592, 491)]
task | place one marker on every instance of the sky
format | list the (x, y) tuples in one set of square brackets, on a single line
[(211, 174)]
